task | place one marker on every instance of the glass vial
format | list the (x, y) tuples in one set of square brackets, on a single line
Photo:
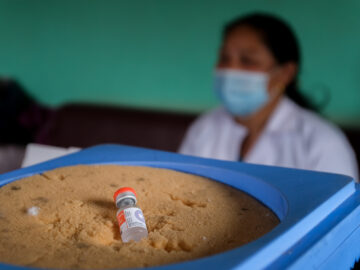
[(129, 216)]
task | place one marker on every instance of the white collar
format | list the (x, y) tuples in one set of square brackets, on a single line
[(282, 118)]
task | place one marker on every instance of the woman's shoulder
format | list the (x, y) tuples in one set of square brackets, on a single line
[(325, 136), (201, 132), (204, 131), (212, 118), (316, 125), (304, 122), (329, 148)]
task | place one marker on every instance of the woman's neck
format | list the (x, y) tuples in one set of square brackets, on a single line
[(255, 124)]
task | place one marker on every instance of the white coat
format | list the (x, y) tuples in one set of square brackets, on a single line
[(293, 137)]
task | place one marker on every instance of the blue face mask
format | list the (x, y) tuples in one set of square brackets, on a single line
[(241, 92)]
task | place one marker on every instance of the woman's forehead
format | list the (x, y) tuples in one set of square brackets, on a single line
[(244, 37)]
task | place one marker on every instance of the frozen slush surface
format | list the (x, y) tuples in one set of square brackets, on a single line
[(187, 216)]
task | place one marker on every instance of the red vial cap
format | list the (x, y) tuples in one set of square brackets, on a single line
[(122, 190)]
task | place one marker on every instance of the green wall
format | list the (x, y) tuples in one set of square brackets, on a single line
[(160, 53)]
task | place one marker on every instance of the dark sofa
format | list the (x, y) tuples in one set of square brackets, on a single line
[(85, 125)]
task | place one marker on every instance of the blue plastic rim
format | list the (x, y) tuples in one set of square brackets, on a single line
[(302, 200)]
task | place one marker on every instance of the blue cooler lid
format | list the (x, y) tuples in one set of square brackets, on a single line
[(319, 212)]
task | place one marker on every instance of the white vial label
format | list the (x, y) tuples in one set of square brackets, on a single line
[(129, 218)]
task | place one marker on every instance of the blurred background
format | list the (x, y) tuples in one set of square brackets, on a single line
[(159, 54)]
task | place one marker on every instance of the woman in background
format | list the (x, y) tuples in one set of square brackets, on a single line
[(264, 119)]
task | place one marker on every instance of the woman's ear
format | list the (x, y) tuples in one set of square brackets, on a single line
[(282, 78), (289, 71)]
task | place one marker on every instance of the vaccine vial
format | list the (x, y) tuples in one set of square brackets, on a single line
[(129, 216)]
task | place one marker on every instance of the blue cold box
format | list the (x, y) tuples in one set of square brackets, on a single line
[(319, 212)]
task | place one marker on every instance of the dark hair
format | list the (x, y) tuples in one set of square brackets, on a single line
[(279, 38)]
